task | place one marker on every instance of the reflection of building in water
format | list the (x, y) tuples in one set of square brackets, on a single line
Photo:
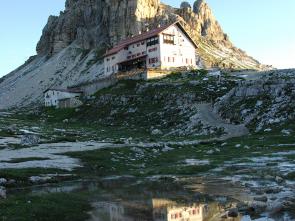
[(108, 211), (165, 210), (156, 210)]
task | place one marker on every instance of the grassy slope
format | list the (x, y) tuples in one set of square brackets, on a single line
[(93, 121), (130, 109)]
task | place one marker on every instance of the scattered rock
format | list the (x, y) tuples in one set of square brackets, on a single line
[(167, 148), (234, 212), (30, 139), (3, 181), (258, 103), (11, 129), (261, 198), (272, 190), (279, 179), (2, 192), (223, 144), (286, 132), (276, 207), (258, 206), (156, 132), (39, 179), (195, 162), (210, 152)]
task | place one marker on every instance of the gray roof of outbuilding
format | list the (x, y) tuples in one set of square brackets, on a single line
[(69, 90)]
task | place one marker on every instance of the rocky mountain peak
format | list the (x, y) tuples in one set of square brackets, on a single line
[(198, 5), (185, 4), (93, 23)]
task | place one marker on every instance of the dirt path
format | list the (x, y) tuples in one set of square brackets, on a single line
[(211, 118)]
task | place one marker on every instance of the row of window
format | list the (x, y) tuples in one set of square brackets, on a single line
[(179, 215), (168, 39), (152, 41), (134, 45), (47, 103), (188, 61), (53, 93), (153, 49), (136, 55), (176, 215), (112, 68), (113, 58), (153, 60), (172, 59), (169, 59)]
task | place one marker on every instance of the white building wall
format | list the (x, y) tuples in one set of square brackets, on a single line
[(166, 56), (180, 54), (136, 50), (154, 56), (110, 64), (53, 96), (133, 51)]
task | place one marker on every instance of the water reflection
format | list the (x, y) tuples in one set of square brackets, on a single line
[(156, 210), (168, 210)]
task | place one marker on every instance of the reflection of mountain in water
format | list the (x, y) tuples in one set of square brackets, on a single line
[(107, 211), (155, 210)]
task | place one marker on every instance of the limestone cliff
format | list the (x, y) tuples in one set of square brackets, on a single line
[(100, 24), (71, 45), (96, 23)]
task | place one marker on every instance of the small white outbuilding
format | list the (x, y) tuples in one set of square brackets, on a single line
[(54, 96)]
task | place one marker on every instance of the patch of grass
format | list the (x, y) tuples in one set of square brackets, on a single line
[(50, 207), (21, 175), (7, 133), (290, 176)]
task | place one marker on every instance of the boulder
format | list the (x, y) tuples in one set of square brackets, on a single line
[(261, 198), (156, 132), (2, 192), (279, 179), (234, 212), (30, 139), (3, 181)]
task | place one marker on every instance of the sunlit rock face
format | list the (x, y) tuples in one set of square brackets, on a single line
[(94, 23)]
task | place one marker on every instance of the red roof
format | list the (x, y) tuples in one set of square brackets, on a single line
[(142, 37)]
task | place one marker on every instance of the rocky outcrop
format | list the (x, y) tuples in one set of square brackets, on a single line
[(185, 5), (202, 21), (70, 48), (95, 23), (261, 103)]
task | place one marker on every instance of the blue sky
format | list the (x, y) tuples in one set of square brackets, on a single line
[(263, 28)]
